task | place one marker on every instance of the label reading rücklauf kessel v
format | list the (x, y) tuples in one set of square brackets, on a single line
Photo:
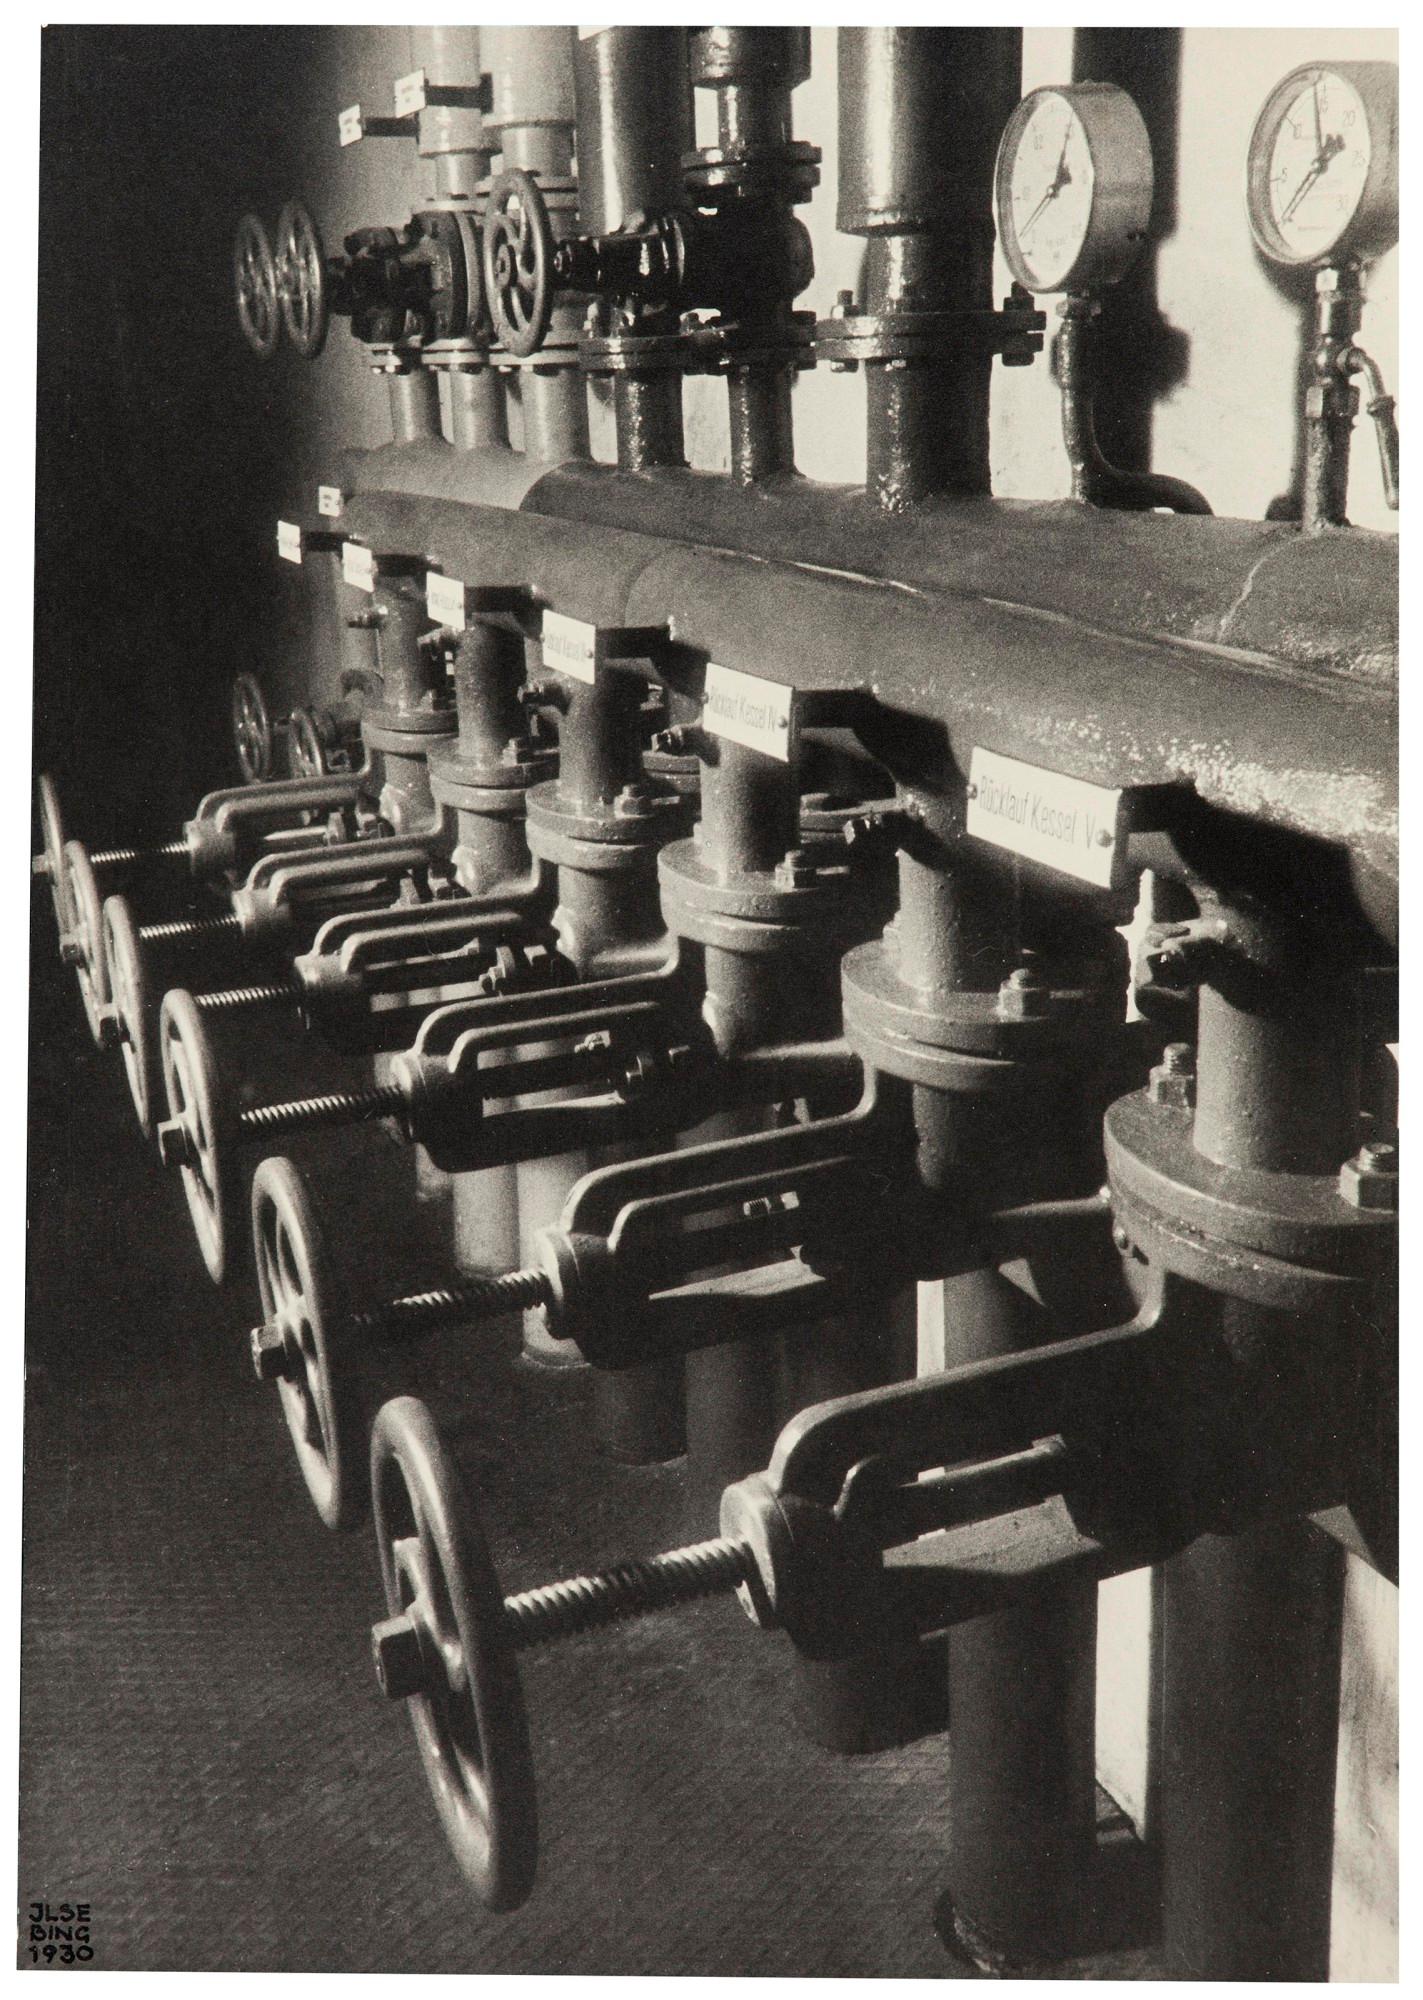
[(1062, 822)]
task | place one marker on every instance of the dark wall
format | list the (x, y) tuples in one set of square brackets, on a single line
[(160, 439)]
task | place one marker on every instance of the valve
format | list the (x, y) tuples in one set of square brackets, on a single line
[(439, 1102), (312, 1341), (730, 259), (908, 1509), (254, 274), (421, 282), (252, 731), (301, 280)]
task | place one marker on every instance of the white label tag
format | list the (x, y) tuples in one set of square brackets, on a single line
[(570, 646), (587, 34), (329, 501), (444, 599), (349, 125), (410, 93), (747, 710), (1062, 822), (289, 541), (358, 566)]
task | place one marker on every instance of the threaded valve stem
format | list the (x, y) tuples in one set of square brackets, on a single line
[(234, 998), (189, 927), (347, 1107), (127, 857), (581, 1603), (473, 1298)]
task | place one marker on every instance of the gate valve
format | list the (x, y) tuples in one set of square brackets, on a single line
[(729, 260), (419, 282), (371, 977), (901, 1510), (438, 1102), (312, 1342), (285, 895)]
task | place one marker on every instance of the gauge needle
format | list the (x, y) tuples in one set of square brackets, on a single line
[(1332, 145), (1318, 124), (1061, 179)]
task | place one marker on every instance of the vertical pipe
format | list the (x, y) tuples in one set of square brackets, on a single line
[(921, 112), (414, 404), (1252, 1621), (532, 118), (478, 417), (1250, 1715), (1022, 1801), (1022, 1699)]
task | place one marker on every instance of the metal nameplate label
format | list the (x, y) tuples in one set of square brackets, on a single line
[(358, 566), (410, 93), (1062, 822), (570, 646), (350, 125), (289, 541), (746, 710), (330, 501), (444, 600)]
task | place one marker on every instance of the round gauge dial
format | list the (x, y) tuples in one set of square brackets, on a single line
[(1073, 187), (1322, 176)]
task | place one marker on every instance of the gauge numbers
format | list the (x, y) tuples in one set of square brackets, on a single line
[(1322, 178)]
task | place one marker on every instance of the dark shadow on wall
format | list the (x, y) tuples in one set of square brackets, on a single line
[(1142, 357), (160, 438)]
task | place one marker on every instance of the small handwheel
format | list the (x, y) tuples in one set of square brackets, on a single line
[(132, 1005), (51, 862), (446, 1648), (518, 262), (251, 729), (301, 280), (306, 752), (254, 277), (302, 1297), (198, 1135), (86, 934)]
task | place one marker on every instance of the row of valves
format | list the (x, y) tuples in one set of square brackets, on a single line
[(820, 1043)]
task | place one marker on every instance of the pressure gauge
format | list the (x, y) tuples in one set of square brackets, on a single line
[(1073, 187), (1322, 176)]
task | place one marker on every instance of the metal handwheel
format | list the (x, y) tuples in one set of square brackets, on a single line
[(131, 1007), (194, 1136), (307, 1328), (50, 860), (254, 277), (301, 280), (86, 938), (251, 729), (518, 262), (446, 1648)]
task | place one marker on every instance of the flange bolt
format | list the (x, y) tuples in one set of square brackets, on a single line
[(1173, 1081)]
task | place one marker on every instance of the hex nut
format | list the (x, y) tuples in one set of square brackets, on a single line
[(399, 1658), (1363, 1184)]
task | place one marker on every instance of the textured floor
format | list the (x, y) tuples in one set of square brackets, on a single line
[(206, 1758)]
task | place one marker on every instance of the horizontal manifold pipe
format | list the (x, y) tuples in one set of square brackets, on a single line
[(1233, 660)]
